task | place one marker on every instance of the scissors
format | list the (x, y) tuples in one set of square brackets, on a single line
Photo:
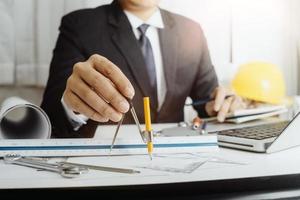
[(64, 170), (136, 120)]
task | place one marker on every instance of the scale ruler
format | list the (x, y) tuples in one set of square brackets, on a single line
[(101, 147)]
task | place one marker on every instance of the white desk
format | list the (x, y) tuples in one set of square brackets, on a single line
[(254, 165)]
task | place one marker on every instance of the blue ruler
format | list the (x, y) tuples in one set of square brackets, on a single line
[(93, 147)]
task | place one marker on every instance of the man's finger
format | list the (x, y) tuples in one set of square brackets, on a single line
[(219, 99), (95, 102), (105, 88), (77, 105), (236, 104), (209, 108), (224, 109), (112, 72)]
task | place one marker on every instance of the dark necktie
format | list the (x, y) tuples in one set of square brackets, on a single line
[(149, 60)]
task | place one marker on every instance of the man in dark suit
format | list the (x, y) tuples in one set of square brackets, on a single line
[(127, 50)]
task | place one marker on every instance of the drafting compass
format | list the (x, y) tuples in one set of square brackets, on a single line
[(136, 120)]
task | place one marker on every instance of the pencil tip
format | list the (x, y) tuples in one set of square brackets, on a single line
[(150, 155)]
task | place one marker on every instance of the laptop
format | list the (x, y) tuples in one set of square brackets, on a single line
[(267, 138)]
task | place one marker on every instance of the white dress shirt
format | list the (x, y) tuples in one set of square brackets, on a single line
[(155, 22)]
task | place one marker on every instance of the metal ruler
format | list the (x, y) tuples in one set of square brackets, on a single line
[(97, 147)]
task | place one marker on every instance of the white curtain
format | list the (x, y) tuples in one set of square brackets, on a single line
[(29, 29), (7, 54), (28, 33), (295, 21)]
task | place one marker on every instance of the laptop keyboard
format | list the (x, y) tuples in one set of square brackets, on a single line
[(258, 132)]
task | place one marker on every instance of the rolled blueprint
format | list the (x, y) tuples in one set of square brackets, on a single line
[(20, 119)]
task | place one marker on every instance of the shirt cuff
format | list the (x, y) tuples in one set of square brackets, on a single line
[(76, 120)]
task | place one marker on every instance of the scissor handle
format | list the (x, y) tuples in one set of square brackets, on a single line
[(72, 171), (10, 158)]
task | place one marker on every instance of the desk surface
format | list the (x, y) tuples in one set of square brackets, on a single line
[(227, 165)]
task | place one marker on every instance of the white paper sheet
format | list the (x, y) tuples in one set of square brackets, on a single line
[(161, 164)]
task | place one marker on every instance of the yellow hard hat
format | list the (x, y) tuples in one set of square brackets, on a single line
[(260, 81)]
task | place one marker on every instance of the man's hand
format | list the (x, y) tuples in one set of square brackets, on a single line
[(221, 105), (97, 89)]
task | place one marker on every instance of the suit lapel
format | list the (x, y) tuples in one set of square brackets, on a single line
[(124, 39), (169, 47)]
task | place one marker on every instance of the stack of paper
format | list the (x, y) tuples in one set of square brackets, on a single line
[(259, 112)]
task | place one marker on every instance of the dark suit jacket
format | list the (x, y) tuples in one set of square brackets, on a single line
[(106, 30)]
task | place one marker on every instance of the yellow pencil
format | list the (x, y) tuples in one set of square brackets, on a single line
[(148, 126)]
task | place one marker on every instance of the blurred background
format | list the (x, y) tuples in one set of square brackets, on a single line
[(238, 31)]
